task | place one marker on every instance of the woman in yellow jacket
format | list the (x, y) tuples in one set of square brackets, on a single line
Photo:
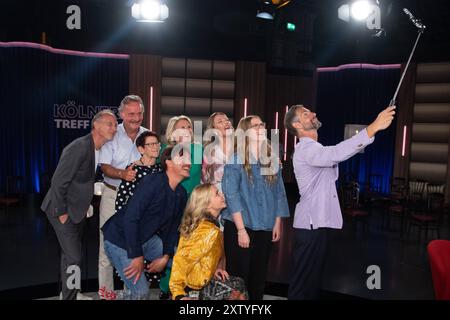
[(200, 254)]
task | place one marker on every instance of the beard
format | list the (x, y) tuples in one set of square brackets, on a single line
[(315, 124)]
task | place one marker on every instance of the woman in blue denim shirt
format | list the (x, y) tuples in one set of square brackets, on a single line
[(256, 199)]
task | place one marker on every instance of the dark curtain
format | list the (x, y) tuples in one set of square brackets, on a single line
[(35, 84), (356, 96)]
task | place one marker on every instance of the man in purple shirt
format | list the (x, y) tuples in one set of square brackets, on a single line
[(316, 171)]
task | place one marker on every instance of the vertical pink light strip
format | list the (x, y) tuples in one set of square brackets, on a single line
[(276, 120), (151, 108), (285, 138), (295, 141), (404, 141), (245, 107)]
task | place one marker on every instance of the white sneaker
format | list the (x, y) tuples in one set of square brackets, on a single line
[(83, 297), (79, 296)]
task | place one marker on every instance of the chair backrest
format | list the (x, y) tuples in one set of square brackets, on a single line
[(350, 195), (435, 188), (436, 202), (398, 186), (439, 258), (416, 188)]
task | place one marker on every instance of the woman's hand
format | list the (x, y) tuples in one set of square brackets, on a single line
[(135, 269), (276, 231), (221, 274), (243, 238)]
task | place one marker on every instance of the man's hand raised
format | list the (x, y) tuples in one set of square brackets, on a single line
[(383, 120)]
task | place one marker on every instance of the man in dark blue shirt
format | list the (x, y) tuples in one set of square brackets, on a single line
[(147, 228)]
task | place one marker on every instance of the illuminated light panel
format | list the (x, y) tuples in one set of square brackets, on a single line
[(404, 141)]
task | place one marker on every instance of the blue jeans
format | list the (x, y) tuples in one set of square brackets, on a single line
[(152, 249)]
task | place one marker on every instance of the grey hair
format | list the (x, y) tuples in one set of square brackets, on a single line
[(99, 115), (128, 99), (291, 117)]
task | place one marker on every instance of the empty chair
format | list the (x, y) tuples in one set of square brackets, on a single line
[(374, 191), (351, 206), (439, 258), (397, 203), (398, 188), (431, 217), (416, 192)]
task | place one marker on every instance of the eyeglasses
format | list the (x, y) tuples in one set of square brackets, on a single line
[(261, 125), (153, 144)]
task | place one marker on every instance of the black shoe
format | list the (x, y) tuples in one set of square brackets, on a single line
[(164, 295)]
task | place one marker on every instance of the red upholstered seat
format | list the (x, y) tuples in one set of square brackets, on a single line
[(439, 257), (396, 208), (356, 212), (9, 201)]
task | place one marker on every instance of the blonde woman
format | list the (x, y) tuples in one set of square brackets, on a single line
[(199, 256), (256, 201), (179, 130), (218, 150)]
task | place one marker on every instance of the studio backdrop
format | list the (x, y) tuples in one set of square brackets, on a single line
[(355, 94), (48, 98)]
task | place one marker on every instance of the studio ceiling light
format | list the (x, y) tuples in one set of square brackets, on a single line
[(149, 11), (266, 10), (360, 11)]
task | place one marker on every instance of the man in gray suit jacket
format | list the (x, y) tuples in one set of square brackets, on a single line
[(70, 195)]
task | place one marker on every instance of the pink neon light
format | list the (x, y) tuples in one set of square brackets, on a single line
[(359, 66), (151, 108), (404, 141), (285, 138), (276, 120), (295, 141), (245, 107), (62, 51)]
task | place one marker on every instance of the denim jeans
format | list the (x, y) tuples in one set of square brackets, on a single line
[(152, 250)]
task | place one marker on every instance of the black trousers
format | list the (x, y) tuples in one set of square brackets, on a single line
[(70, 237), (308, 256), (248, 263)]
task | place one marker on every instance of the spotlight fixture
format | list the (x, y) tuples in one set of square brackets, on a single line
[(362, 10), (265, 10), (149, 11)]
